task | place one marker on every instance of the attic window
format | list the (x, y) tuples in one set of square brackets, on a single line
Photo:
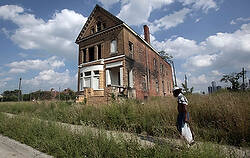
[(99, 26), (104, 25), (92, 30)]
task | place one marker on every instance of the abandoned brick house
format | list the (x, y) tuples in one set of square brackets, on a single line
[(114, 59)]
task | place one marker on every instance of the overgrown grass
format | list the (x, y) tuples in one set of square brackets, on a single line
[(59, 142), (221, 117)]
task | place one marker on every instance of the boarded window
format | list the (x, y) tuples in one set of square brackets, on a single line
[(113, 46)]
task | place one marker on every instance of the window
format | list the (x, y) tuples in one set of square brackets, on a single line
[(131, 49), (84, 55), (163, 87), (104, 25), (91, 53), (87, 73), (92, 30), (96, 72), (161, 68), (154, 61), (113, 47), (157, 85), (99, 51), (81, 81), (99, 26)]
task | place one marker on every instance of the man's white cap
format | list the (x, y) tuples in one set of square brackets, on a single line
[(176, 88)]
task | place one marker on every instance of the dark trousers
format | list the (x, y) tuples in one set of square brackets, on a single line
[(181, 120)]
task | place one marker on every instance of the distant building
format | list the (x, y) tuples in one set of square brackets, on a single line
[(210, 90), (213, 88)]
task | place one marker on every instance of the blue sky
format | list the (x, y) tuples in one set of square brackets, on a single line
[(207, 38)]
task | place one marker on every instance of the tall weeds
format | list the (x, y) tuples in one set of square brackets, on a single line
[(221, 117)]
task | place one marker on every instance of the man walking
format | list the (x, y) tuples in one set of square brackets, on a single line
[(183, 115)]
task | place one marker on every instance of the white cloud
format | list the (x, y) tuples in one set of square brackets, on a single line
[(57, 35), (180, 47), (216, 73), (169, 21), (23, 55), (205, 5), (37, 64), (108, 3), (208, 60), (49, 78), (136, 12), (240, 19), (4, 81), (199, 80), (200, 61)]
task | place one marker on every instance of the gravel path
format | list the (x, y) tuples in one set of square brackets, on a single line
[(10, 148)]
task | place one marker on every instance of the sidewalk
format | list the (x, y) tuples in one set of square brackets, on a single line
[(10, 148)]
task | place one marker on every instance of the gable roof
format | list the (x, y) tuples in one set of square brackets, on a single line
[(121, 23), (97, 8)]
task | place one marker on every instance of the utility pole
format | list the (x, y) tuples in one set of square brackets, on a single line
[(19, 90), (243, 78), (59, 94), (185, 81)]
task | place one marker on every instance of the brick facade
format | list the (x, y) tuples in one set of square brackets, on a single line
[(134, 70)]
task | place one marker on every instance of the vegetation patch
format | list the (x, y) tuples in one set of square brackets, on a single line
[(60, 142), (222, 117)]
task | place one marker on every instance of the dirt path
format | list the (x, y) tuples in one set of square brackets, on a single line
[(10, 148), (149, 140)]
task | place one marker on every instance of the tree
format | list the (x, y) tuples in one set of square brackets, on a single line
[(186, 89), (233, 79), (165, 55)]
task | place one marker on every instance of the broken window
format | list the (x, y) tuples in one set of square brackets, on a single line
[(154, 61), (113, 46), (92, 30), (131, 49), (99, 26), (163, 89), (81, 81), (88, 73), (91, 53), (104, 25), (161, 68), (84, 55), (157, 85), (99, 51)]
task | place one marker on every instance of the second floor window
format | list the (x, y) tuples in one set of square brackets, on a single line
[(113, 46), (131, 49)]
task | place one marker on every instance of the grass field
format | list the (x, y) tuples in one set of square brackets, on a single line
[(222, 117), (59, 142)]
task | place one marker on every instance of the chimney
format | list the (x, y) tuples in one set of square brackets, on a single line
[(146, 34)]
